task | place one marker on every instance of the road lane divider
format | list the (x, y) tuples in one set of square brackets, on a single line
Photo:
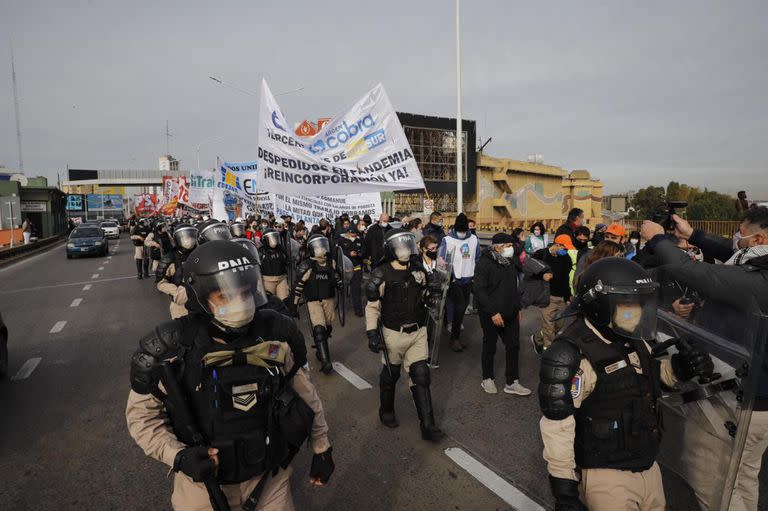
[(26, 369), (76, 302), (58, 327), (53, 286), (100, 268), (351, 376), (491, 480), (95, 276), (85, 287)]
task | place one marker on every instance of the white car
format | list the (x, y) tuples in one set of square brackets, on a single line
[(111, 229)]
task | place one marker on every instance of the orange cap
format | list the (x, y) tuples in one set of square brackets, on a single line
[(616, 230), (565, 241)]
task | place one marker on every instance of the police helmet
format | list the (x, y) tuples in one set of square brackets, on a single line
[(211, 230), (271, 237), (250, 246), (185, 237), (237, 229), (318, 245), (618, 294), (399, 244), (223, 279)]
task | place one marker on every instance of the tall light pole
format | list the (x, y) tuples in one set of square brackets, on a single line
[(459, 148), (16, 109), (197, 147)]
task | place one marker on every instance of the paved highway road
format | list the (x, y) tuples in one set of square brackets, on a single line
[(64, 443)]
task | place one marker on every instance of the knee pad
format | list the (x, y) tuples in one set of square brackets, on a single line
[(419, 373), (319, 333), (329, 328)]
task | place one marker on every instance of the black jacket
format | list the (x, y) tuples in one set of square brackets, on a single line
[(560, 285), (434, 230), (495, 286)]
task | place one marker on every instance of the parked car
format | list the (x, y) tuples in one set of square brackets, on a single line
[(86, 240), (3, 348), (110, 228)]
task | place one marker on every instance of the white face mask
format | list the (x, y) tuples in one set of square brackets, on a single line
[(383, 224), (461, 234), (236, 313), (508, 252), (402, 254), (634, 241)]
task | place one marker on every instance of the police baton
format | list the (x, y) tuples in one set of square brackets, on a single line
[(385, 352), (175, 400)]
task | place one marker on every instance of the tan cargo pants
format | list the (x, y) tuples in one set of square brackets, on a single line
[(277, 285), (607, 489), (322, 312), (405, 348), (191, 496)]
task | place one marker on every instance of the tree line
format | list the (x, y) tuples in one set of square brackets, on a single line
[(702, 204)]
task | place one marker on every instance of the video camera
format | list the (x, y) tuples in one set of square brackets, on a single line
[(664, 218)]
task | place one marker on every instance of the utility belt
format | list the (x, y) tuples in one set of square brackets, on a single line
[(408, 328)]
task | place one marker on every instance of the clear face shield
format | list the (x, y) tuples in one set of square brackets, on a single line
[(272, 239), (238, 230), (633, 315), (232, 295), (403, 246), (185, 238), (319, 247), (219, 231)]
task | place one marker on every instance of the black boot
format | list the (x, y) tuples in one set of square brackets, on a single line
[(146, 268), (387, 384), (422, 398), (138, 267), (323, 353)]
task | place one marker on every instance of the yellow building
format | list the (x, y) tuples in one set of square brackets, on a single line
[(518, 193)]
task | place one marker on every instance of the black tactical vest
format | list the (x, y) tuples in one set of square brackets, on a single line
[(618, 425), (402, 303), (234, 407), (321, 283), (178, 267), (273, 261)]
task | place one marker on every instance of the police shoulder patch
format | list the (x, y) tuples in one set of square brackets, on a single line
[(576, 385)]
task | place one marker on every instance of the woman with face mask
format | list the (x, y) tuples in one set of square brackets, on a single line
[(536, 241), (240, 358), (495, 285)]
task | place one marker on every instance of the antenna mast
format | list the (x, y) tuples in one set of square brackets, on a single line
[(16, 109)]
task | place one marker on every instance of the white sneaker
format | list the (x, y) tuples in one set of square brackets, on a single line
[(517, 389), (489, 386), (449, 327)]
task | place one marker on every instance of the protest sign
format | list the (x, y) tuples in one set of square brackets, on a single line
[(201, 186), (361, 150), (312, 209)]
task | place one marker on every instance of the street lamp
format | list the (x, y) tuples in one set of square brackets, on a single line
[(459, 148)]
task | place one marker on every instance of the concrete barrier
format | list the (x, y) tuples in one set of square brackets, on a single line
[(12, 254)]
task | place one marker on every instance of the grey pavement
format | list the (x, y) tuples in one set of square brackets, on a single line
[(64, 443)]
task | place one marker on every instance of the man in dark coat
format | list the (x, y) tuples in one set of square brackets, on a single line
[(374, 239)]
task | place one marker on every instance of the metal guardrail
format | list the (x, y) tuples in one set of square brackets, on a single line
[(9, 254)]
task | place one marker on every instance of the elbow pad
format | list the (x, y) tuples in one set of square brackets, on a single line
[(373, 284), (162, 343), (559, 365)]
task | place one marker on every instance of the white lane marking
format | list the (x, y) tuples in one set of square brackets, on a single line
[(105, 262), (350, 376), (76, 302), (109, 257), (38, 288), (100, 268), (86, 287), (26, 369), (58, 327), (95, 276), (508, 493)]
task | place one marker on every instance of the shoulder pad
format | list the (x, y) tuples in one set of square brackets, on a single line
[(162, 267), (559, 365), (372, 286), (162, 343), (304, 267)]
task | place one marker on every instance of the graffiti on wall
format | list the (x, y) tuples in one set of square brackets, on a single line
[(519, 199)]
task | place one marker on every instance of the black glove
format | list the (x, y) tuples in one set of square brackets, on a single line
[(566, 493), (322, 466), (195, 462), (293, 310), (374, 340), (692, 361)]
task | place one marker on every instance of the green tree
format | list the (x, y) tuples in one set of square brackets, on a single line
[(711, 205), (648, 201)]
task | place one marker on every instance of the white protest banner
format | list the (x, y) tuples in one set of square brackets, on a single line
[(239, 180), (201, 186), (312, 209), (361, 150)]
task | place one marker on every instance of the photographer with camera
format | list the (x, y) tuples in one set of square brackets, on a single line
[(742, 277)]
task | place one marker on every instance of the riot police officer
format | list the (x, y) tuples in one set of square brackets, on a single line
[(211, 229), (398, 296), (317, 282), (237, 229), (221, 397), (139, 234), (598, 390), (169, 274), (274, 264)]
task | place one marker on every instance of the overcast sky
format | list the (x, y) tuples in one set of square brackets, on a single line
[(638, 93)]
